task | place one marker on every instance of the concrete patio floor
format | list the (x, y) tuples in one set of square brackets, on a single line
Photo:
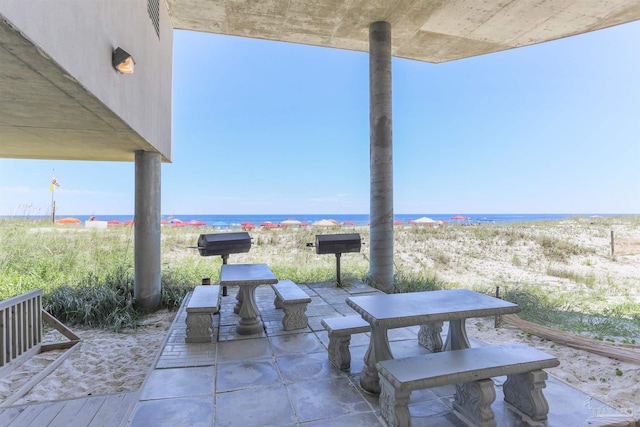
[(284, 378)]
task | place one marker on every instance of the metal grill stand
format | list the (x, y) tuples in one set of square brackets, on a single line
[(337, 244)]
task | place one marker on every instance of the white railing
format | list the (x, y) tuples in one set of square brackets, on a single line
[(20, 328)]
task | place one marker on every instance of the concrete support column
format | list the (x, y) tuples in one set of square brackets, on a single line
[(147, 231), (381, 157)]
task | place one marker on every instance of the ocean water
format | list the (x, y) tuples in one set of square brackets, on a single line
[(234, 221)]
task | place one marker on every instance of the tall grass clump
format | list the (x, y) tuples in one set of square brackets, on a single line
[(178, 278), (589, 279), (559, 249), (562, 312), (101, 306), (426, 281)]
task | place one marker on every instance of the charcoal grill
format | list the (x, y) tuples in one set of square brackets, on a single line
[(337, 244), (224, 244)]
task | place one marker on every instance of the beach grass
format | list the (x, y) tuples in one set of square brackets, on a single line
[(560, 272)]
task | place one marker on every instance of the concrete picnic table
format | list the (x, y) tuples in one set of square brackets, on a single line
[(428, 309), (247, 277)]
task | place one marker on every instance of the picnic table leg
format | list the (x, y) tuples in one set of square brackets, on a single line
[(524, 391), (378, 350), (457, 336), (249, 323), (239, 298), (473, 401), (429, 336)]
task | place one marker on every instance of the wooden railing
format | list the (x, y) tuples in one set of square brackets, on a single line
[(20, 327)]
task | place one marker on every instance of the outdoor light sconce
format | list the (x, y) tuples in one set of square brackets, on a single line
[(122, 61)]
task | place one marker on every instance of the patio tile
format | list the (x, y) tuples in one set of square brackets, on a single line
[(306, 367), (256, 407), (298, 343), (327, 398), (195, 411), (246, 373), (179, 382)]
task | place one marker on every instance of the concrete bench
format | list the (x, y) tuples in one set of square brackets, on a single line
[(471, 370), (340, 330), (203, 304), (293, 301)]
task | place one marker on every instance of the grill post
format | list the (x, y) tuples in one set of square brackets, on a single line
[(225, 258), (337, 244)]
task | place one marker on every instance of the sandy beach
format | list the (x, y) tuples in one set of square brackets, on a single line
[(107, 362), (102, 362)]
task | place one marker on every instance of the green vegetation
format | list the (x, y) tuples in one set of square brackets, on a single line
[(87, 275), (559, 249), (565, 312), (588, 280)]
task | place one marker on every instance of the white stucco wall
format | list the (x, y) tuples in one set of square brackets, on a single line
[(80, 35)]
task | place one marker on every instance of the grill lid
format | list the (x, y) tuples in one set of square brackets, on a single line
[(224, 243), (337, 243)]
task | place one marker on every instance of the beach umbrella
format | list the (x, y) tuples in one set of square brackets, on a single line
[(247, 226), (442, 222), (459, 218), (196, 223), (398, 222), (113, 222), (68, 220), (304, 224), (129, 222), (268, 224), (423, 221), (175, 221), (325, 223), (349, 223)]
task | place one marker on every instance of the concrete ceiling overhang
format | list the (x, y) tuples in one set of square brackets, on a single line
[(47, 114), (432, 31)]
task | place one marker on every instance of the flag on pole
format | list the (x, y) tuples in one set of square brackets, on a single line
[(54, 183)]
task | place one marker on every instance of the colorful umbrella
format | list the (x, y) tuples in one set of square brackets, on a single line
[(68, 220), (423, 221), (325, 223), (459, 218), (290, 222), (247, 226)]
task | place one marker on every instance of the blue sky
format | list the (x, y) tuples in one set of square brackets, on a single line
[(262, 127)]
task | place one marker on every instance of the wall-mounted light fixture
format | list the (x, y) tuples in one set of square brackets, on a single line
[(122, 61)]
